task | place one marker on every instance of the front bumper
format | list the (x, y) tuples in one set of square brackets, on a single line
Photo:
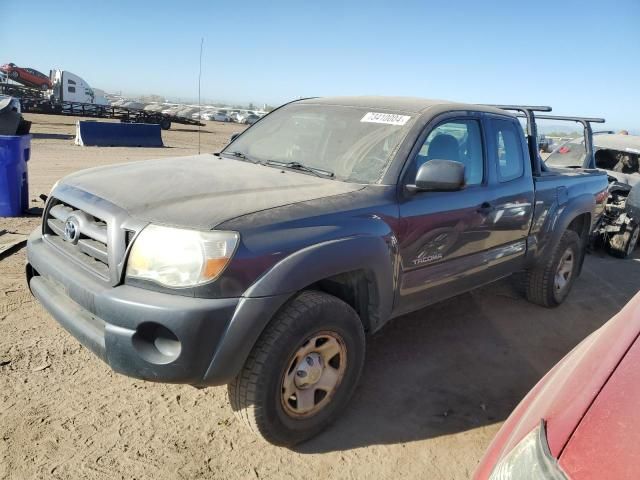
[(145, 334)]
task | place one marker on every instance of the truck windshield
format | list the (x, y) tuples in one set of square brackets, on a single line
[(355, 144), (571, 154)]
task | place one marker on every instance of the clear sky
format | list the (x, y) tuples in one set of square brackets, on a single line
[(581, 57)]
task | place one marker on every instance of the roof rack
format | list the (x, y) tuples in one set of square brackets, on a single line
[(522, 108), (582, 120), (590, 161)]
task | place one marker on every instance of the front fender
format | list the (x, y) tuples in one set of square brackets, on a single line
[(377, 256), (317, 262)]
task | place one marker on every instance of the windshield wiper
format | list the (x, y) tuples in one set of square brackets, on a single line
[(299, 166), (240, 155)]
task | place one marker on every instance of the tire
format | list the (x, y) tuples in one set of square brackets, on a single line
[(14, 75), (543, 286), (44, 87), (623, 244), (258, 394), (165, 124)]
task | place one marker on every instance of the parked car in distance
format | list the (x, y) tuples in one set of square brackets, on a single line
[(219, 117), (580, 422), (234, 115), (27, 76), (250, 119), (263, 267), (619, 156)]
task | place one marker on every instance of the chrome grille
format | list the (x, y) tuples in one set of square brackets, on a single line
[(89, 245)]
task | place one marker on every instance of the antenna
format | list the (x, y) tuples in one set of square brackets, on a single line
[(199, 106)]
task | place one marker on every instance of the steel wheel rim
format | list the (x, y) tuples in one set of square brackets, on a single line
[(313, 374), (633, 240), (564, 271)]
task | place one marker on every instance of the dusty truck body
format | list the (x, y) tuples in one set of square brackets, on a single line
[(264, 266), (619, 156)]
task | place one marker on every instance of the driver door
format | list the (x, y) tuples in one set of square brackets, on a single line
[(443, 235)]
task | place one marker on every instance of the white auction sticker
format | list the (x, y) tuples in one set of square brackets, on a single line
[(388, 118)]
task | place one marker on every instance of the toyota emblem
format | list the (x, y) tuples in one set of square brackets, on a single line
[(72, 230)]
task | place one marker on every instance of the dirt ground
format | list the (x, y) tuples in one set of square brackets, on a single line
[(437, 384)]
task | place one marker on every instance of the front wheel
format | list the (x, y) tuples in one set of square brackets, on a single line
[(549, 283), (302, 371)]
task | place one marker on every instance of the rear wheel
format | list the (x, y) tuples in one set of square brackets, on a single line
[(623, 244), (14, 75), (549, 283), (302, 371), (165, 124)]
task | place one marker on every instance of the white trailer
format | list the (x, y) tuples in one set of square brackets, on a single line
[(69, 87)]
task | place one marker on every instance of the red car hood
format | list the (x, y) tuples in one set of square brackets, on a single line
[(606, 443), (566, 394)]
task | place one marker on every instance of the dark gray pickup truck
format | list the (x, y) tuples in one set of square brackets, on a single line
[(264, 266)]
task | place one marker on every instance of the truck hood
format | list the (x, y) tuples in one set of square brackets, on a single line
[(201, 191)]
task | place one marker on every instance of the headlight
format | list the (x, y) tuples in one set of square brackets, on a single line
[(177, 257), (530, 459)]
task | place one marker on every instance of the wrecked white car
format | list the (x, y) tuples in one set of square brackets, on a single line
[(619, 156)]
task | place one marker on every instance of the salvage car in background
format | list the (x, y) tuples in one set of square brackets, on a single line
[(250, 119), (581, 420), (219, 117), (619, 156), (27, 76)]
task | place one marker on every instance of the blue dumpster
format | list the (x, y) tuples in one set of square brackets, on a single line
[(14, 179)]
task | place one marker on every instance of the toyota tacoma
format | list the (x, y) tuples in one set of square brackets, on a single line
[(265, 265)]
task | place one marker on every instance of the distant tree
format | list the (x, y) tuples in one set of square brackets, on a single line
[(251, 106)]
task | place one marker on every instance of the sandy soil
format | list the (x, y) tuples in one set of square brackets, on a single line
[(437, 384)]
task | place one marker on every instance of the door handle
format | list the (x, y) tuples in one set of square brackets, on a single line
[(485, 208)]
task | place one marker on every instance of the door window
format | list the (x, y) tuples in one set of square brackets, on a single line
[(509, 150), (457, 140)]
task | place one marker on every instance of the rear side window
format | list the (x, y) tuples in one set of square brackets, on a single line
[(509, 150), (71, 89)]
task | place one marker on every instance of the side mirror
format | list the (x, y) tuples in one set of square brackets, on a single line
[(233, 137), (439, 176)]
